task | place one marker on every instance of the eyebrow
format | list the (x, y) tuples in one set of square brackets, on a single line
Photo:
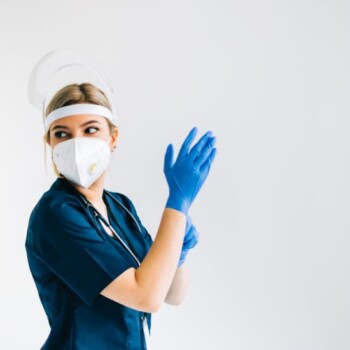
[(66, 127)]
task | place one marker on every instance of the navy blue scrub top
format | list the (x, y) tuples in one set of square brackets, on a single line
[(72, 259)]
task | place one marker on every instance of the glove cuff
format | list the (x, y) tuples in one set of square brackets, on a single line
[(177, 203), (182, 257)]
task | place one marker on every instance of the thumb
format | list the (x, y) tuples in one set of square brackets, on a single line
[(169, 157)]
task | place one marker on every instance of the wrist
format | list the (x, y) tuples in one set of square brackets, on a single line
[(177, 203)]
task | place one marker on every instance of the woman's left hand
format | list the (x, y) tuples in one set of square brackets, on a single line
[(190, 241)]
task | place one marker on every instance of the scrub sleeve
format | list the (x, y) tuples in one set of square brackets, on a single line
[(83, 260), (72, 259)]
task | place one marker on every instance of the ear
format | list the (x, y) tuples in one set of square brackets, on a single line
[(114, 137), (45, 140)]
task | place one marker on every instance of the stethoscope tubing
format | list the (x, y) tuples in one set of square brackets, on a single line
[(99, 216)]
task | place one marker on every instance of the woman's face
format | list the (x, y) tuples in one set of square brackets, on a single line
[(81, 126)]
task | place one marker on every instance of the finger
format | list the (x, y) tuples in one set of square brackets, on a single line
[(197, 148), (206, 165), (193, 239), (206, 151), (169, 157), (187, 143), (190, 233)]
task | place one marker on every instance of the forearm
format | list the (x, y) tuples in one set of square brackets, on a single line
[(146, 287), (156, 273), (179, 286)]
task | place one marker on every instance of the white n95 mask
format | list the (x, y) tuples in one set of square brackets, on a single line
[(82, 160)]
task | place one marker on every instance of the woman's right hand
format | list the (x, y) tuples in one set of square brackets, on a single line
[(186, 176)]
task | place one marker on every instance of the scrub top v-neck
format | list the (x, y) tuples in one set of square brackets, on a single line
[(119, 220), (72, 260)]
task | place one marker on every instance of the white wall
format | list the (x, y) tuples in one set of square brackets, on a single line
[(271, 79)]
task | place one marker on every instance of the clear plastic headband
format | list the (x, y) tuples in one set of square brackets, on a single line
[(47, 69)]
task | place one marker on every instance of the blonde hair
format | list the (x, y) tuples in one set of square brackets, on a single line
[(73, 94)]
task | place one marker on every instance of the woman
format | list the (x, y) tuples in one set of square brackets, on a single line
[(99, 275)]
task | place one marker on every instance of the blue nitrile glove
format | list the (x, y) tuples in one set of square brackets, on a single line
[(186, 176), (190, 240)]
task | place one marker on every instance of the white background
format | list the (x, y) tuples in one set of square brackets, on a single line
[(271, 80)]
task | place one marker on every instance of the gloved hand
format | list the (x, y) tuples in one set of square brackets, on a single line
[(186, 176), (190, 240)]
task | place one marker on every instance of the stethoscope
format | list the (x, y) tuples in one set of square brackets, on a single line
[(102, 219), (99, 216)]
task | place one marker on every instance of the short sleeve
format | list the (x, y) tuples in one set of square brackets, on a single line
[(71, 247)]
